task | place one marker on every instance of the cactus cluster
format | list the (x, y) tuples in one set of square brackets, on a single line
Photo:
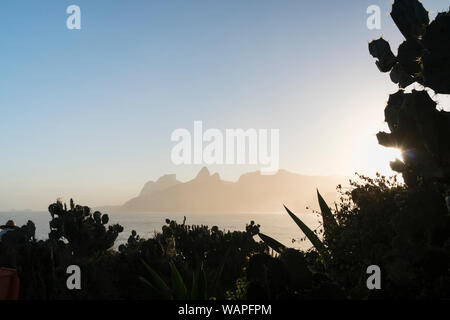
[(416, 126), (85, 231)]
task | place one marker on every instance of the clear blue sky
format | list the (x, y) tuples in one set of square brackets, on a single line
[(88, 113)]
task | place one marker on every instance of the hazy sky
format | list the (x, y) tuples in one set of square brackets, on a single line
[(89, 113)]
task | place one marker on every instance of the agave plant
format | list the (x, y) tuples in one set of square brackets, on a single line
[(177, 289), (329, 223)]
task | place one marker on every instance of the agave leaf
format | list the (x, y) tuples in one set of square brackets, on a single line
[(202, 284), (213, 288), (155, 293), (308, 233), (159, 283), (199, 287), (328, 220), (147, 283), (194, 287), (178, 283), (274, 244)]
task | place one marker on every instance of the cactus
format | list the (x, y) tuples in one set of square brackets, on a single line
[(417, 127), (424, 56), (85, 232)]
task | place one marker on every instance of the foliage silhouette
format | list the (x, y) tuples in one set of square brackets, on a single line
[(78, 237), (85, 232), (329, 224), (417, 128), (178, 289), (404, 231)]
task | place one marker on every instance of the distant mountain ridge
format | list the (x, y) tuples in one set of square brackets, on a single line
[(252, 193), (164, 182)]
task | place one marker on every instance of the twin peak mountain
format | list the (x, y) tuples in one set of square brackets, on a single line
[(252, 193)]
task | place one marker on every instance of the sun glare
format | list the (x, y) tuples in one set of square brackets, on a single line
[(376, 158), (381, 158)]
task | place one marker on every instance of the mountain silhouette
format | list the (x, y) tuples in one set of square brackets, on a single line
[(252, 193), (164, 182)]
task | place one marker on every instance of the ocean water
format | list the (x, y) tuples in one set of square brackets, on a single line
[(277, 225)]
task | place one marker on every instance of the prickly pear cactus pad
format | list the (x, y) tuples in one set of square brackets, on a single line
[(416, 126)]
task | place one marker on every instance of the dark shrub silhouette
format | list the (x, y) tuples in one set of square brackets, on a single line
[(404, 231), (79, 237)]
